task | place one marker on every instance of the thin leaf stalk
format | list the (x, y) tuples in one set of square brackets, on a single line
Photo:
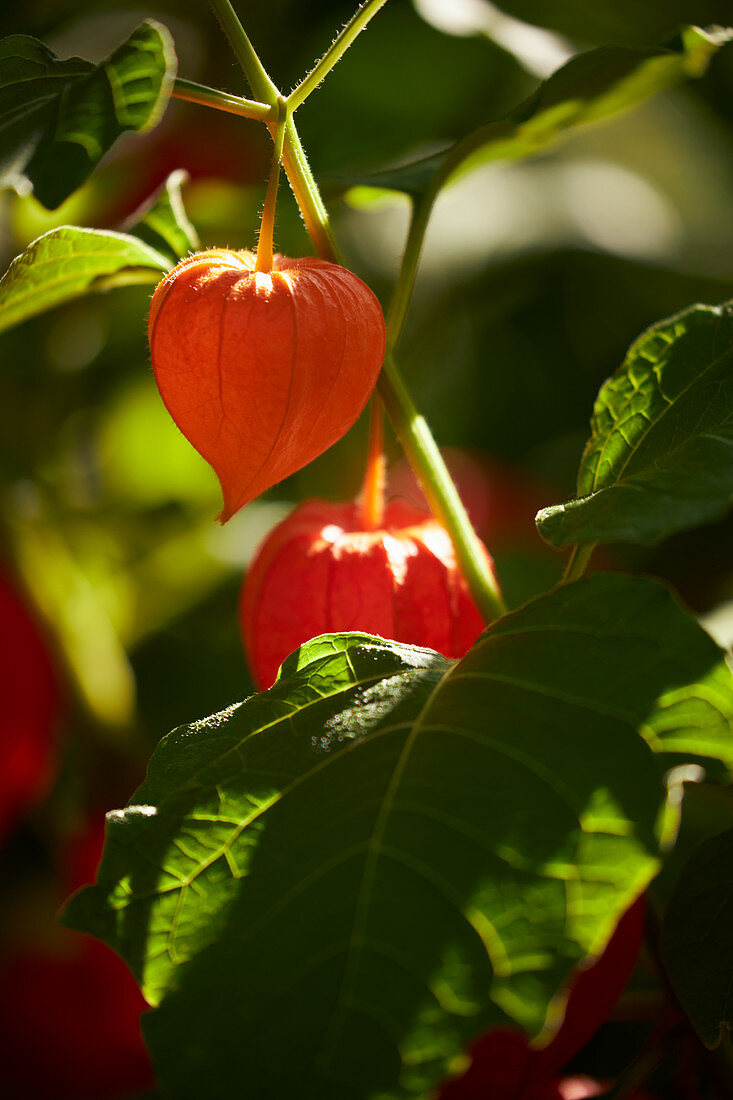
[(427, 462), (267, 222), (335, 52), (422, 207), (372, 493)]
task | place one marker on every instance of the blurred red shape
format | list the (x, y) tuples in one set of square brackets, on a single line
[(30, 702), (70, 1016), (505, 1067)]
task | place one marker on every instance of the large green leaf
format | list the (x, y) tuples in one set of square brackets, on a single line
[(697, 946), (328, 889), (58, 118), (590, 88), (660, 455), (163, 223), (70, 261)]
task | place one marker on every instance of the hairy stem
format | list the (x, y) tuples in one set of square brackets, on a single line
[(267, 222), (307, 196), (211, 97), (254, 70), (335, 52)]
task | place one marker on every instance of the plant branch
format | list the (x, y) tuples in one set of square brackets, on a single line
[(254, 70), (334, 53), (192, 92), (411, 428), (307, 196), (402, 293)]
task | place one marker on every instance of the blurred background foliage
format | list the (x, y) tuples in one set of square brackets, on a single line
[(535, 279)]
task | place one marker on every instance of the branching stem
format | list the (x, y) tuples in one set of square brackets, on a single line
[(212, 97)]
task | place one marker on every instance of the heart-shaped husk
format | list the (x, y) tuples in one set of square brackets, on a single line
[(263, 371)]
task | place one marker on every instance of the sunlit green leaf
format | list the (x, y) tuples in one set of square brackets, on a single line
[(163, 223), (590, 88), (660, 455), (67, 262), (58, 118), (386, 853), (697, 946)]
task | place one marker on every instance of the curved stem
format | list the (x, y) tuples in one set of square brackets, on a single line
[(420, 216), (254, 70), (192, 92), (427, 462), (267, 222), (578, 562), (335, 52), (372, 493), (307, 196)]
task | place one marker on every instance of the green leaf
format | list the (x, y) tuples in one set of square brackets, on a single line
[(385, 854), (69, 261), (590, 88), (660, 455), (697, 946), (58, 118), (163, 223)]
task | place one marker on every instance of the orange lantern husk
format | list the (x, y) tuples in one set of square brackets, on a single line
[(319, 571), (263, 370)]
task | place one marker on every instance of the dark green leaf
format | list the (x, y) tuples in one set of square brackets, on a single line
[(621, 21), (660, 455), (70, 261), (590, 88), (697, 946), (163, 223), (385, 854), (58, 118)]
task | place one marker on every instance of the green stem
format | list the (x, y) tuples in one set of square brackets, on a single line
[(307, 196), (259, 80), (578, 562), (421, 210), (411, 428), (427, 462), (334, 53), (211, 97)]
